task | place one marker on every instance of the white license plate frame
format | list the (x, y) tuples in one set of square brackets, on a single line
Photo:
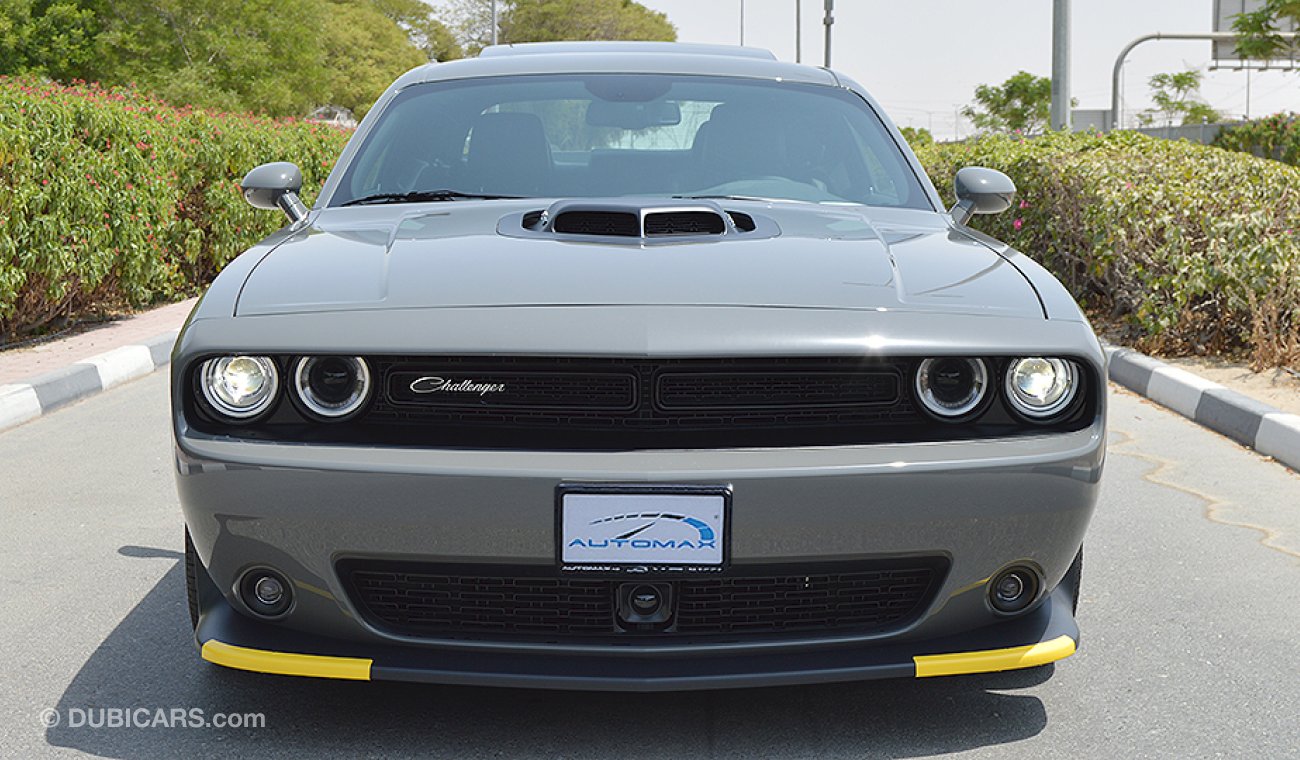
[(642, 529)]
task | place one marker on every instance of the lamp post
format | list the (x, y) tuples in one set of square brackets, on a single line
[(829, 21), (1061, 64), (798, 31)]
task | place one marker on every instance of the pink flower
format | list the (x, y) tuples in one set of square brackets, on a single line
[(1017, 224), (1024, 204)]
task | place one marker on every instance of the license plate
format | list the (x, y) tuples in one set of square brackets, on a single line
[(612, 528)]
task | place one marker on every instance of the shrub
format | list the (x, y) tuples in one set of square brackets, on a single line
[(1276, 137), (110, 199), (1186, 248)]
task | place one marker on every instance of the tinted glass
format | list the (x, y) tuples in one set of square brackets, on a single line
[(616, 135)]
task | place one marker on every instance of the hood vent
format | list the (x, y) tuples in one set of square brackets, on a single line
[(638, 221), (597, 222), (684, 223), (743, 222)]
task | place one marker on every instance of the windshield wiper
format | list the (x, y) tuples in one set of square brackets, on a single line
[(727, 198), (425, 196)]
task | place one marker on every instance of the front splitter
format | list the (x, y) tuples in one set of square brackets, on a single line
[(1047, 634)]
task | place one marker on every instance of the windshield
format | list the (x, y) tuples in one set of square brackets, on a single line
[(618, 134)]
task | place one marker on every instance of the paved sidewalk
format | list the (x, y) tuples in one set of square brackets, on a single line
[(38, 379), (20, 365)]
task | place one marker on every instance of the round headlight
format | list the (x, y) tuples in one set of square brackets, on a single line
[(950, 386), (332, 387), (1039, 386), (239, 387)]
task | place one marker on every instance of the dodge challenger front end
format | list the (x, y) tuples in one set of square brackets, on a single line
[(633, 367)]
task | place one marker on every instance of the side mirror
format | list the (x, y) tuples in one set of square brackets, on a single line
[(981, 191), (272, 186)]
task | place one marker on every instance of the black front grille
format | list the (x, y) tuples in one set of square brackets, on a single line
[(466, 387), (415, 599), (779, 390), (598, 404), (627, 404)]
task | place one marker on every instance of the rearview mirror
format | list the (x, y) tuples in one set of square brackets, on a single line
[(625, 115), (981, 191), (276, 185)]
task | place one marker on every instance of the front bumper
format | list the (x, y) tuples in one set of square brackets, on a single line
[(980, 504), (1047, 634)]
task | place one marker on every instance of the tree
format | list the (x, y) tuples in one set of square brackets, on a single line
[(1257, 30), (422, 27), (1175, 98), (258, 55), (1022, 104), (364, 51), (278, 57), (554, 20), (917, 136), (53, 39)]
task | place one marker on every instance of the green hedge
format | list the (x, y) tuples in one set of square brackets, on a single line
[(1182, 248), (1276, 137), (110, 200)]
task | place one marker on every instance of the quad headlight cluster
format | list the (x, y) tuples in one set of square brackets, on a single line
[(1037, 388), (242, 387)]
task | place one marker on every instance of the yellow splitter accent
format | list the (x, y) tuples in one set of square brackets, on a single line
[(992, 660), (284, 663), (358, 669)]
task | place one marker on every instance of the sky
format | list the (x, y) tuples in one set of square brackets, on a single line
[(922, 59)]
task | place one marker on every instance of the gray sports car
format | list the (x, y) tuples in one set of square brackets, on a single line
[(637, 367)]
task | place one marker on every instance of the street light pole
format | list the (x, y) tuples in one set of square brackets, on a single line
[(829, 21), (798, 31), (494, 21), (1115, 116), (1061, 64)]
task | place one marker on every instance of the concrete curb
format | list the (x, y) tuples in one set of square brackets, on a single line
[(1266, 429), (20, 402)]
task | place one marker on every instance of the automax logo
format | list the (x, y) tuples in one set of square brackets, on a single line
[(643, 528), (706, 539)]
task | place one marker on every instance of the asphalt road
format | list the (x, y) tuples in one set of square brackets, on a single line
[(1190, 616)]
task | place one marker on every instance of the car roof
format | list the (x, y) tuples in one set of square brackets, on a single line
[(617, 46), (621, 58)]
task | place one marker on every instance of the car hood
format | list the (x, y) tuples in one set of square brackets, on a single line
[(452, 255)]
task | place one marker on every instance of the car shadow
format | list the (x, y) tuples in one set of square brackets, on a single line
[(148, 661)]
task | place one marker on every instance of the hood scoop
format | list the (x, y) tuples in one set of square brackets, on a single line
[(637, 221)]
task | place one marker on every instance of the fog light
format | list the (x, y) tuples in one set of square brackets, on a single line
[(1013, 589), (265, 592), (268, 590)]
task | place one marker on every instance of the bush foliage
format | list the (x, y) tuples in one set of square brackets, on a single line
[(1276, 137), (109, 199), (1186, 248)]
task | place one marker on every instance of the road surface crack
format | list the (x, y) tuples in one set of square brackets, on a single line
[(1213, 504)]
